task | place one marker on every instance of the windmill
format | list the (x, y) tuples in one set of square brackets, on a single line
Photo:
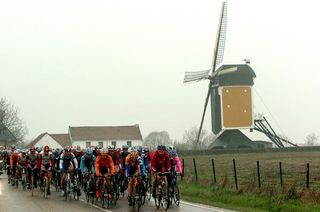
[(230, 90)]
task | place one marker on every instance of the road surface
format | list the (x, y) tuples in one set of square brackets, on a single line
[(14, 199)]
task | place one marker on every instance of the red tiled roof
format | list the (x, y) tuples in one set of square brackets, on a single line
[(62, 139), (106, 133)]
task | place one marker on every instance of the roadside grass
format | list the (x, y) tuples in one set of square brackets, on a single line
[(238, 200), (292, 196)]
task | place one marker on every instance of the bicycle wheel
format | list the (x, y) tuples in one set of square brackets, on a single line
[(32, 184), (165, 198), (46, 187), (24, 182), (176, 195), (157, 201)]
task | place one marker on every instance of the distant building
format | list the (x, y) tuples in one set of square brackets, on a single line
[(87, 136), (52, 140), (105, 136), (6, 137), (235, 139)]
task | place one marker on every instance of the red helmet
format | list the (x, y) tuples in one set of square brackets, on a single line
[(46, 148)]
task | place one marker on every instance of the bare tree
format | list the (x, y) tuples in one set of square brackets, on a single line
[(311, 139), (9, 116), (190, 138), (156, 138)]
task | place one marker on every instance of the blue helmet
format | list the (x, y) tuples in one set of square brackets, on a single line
[(161, 147), (89, 151), (172, 152)]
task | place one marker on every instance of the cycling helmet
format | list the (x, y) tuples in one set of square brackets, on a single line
[(89, 151), (172, 152), (125, 147), (46, 148), (139, 148), (104, 151), (145, 149), (134, 154), (32, 148), (161, 147), (67, 149), (111, 149), (78, 149), (13, 147)]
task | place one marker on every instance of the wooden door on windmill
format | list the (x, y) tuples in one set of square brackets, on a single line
[(236, 107)]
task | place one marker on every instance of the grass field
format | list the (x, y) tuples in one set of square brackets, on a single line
[(270, 196)]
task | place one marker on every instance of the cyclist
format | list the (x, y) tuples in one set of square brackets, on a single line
[(46, 164), (14, 156), (22, 163), (78, 153), (123, 155), (97, 150), (104, 164), (115, 158), (160, 162), (33, 165), (133, 168), (68, 162), (175, 162), (87, 165)]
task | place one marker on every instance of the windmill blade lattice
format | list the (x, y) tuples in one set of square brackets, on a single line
[(195, 76)]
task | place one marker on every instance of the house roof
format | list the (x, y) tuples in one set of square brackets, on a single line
[(62, 139), (105, 133), (5, 133), (35, 141)]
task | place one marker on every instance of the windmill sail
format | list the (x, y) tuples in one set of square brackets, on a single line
[(217, 56), (221, 38), (195, 76)]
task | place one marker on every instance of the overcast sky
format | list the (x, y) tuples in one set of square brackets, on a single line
[(80, 63)]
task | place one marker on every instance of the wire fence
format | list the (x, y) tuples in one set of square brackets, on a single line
[(252, 174)]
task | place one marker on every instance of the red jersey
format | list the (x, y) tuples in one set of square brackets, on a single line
[(160, 163)]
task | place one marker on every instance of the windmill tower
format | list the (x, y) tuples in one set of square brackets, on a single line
[(230, 89)]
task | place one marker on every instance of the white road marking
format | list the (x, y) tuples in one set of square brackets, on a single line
[(82, 200), (206, 207)]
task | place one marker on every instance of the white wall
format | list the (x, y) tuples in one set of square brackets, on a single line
[(47, 140), (119, 143)]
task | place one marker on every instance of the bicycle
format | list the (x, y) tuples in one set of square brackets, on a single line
[(23, 178), (104, 189), (45, 183), (76, 186), (89, 185), (174, 192), (32, 181), (137, 193), (162, 191), (68, 187), (148, 186)]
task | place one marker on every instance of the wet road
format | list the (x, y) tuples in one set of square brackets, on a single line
[(16, 200)]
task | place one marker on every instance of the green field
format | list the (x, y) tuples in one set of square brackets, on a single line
[(293, 195)]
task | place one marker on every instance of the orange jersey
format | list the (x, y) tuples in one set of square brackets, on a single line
[(104, 160), (14, 158)]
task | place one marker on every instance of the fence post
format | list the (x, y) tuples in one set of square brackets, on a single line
[(235, 173), (195, 168), (280, 171), (182, 169), (214, 172), (307, 184), (258, 172)]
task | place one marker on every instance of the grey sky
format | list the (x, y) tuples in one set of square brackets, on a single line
[(74, 63)]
